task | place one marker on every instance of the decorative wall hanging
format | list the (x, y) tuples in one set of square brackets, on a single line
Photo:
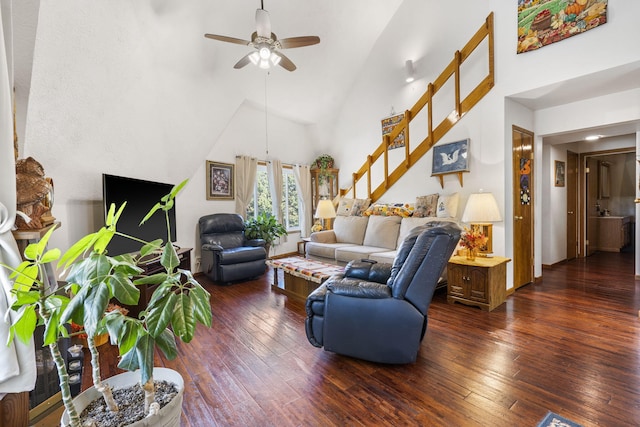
[(525, 175), (450, 158), (559, 177), (544, 22), (388, 123), (220, 181)]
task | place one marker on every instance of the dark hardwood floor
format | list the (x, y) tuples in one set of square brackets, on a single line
[(568, 344)]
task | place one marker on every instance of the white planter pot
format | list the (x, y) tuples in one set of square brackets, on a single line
[(169, 416)]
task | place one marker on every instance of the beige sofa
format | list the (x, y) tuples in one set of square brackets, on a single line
[(364, 237)]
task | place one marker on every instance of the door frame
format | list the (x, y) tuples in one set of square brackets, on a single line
[(582, 199), (519, 269), (573, 202)]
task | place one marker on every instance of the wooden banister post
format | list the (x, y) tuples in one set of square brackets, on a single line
[(407, 119), (457, 85)]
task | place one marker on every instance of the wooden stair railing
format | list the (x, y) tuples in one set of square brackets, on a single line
[(433, 134)]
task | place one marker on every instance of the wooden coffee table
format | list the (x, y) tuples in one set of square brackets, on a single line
[(301, 275)]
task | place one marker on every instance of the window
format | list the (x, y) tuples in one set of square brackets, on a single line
[(290, 201)]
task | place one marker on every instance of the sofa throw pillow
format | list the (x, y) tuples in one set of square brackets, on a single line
[(345, 207), (382, 232), (403, 210), (359, 206), (426, 206), (447, 206), (350, 229)]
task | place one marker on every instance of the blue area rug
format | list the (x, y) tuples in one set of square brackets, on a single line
[(555, 420)]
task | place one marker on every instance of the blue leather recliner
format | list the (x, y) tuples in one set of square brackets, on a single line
[(227, 255), (378, 311)]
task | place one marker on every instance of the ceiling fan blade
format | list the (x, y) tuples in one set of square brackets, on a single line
[(263, 23), (227, 39), (243, 61), (292, 42), (285, 62)]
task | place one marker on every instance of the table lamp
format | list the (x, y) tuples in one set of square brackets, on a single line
[(326, 212), (480, 212)]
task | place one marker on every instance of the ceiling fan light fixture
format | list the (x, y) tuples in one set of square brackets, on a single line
[(254, 58), (264, 64), (275, 59), (265, 52)]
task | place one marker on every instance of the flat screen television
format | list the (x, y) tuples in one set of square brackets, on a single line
[(140, 196)]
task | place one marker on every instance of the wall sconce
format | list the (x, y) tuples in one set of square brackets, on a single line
[(410, 71), (326, 212), (480, 212)]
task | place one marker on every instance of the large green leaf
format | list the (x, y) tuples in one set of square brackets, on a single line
[(183, 319), (50, 256), (51, 328), (129, 360), (75, 309), (25, 276), (95, 304), (25, 298), (103, 239), (160, 314), (144, 349), (154, 279), (129, 335), (169, 259), (123, 289), (24, 326), (202, 307), (159, 293), (77, 249), (166, 341)]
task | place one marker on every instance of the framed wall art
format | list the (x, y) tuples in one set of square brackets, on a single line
[(220, 181), (451, 158), (388, 123), (559, 175)]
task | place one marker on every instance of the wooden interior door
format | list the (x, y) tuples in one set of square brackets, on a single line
[(571, 172), (522, 146)]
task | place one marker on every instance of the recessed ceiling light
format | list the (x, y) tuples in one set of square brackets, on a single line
[(592, 138)]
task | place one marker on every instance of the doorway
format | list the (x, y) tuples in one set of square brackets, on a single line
[(607, 211)]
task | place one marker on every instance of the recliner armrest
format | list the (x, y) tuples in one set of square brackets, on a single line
[(255, 242), (212, 247), (368, 270), (358, 288)]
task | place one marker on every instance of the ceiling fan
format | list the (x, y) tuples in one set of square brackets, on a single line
[(267, 44)]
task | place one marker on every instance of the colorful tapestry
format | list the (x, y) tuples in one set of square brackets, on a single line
[(542, 22)]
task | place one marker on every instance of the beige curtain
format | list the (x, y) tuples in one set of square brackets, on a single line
[(17, 361), (246, 168), (303, 184)]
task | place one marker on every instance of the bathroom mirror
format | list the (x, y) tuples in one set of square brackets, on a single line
[(603, 180)]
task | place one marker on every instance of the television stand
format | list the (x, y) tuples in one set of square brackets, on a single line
[(153, 266)]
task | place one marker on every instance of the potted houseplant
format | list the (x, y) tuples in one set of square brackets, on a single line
[(324, 162), (178, 303), (264, 226)]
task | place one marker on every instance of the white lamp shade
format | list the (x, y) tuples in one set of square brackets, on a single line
[(325, 209), (481, 207)]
